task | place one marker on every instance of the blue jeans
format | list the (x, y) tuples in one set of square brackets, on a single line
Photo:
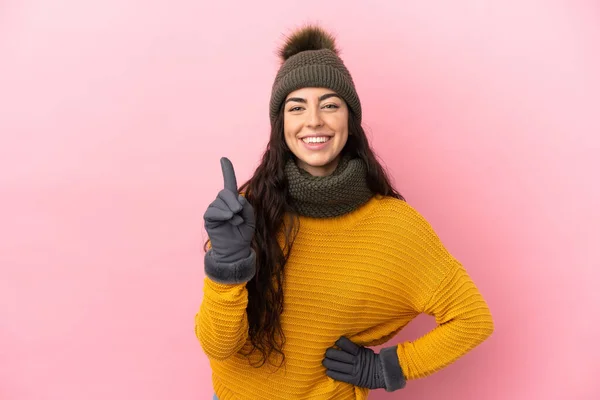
[(215, 397)]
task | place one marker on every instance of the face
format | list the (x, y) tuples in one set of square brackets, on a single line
[(316, 128)]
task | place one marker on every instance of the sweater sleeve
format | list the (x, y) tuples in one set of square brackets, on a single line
[(221, 324), (463, 321), (463, 318)]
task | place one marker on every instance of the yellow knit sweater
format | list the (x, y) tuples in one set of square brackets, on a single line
[(364, 275)]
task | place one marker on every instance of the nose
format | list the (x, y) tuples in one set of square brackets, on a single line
[(313, 118)]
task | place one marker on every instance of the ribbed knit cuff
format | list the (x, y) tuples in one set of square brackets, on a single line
[(392, 371), (230, 273)]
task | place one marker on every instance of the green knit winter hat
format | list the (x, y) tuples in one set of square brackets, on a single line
[(311, 59)]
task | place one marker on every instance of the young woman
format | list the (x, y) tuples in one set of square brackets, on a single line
[(316, 256)]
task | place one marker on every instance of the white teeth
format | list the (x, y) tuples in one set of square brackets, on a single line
[(321, 139)]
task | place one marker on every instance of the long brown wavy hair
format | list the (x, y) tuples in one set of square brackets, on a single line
[(267, 192)]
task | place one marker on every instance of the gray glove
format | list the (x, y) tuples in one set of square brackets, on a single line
[(361, 366), (230, 224)]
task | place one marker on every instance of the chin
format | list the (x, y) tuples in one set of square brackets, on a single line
[(317, 160)]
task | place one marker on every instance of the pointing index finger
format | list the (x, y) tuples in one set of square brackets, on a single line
[(228, 175)]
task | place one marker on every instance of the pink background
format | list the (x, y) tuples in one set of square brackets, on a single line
[(113, 117)]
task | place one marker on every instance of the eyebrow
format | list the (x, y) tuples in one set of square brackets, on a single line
[(301, 100)]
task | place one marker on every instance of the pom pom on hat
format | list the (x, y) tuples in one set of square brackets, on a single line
[(310, 37)]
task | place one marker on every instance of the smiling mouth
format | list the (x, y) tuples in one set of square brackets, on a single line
[(316, 140)]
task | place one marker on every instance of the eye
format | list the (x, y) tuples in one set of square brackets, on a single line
[(297, 108), (331, 106)]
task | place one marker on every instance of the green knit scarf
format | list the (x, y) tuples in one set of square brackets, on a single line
[(328, 196)]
